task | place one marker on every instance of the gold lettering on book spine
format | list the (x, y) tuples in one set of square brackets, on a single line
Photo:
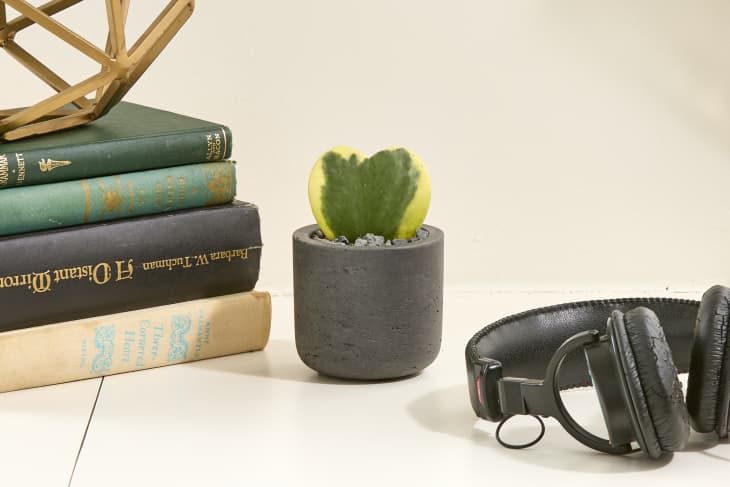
[(125, 270), (111, 197), (170, 185), (87, 200), (22, 280), (181, 191), (3, 170), (158, 194), (21, 169), (199, 260), (220, 183), (98, 274), (225, 143), (215, 146), (130, 207), (41, 282), (103, 273), (48, 165)]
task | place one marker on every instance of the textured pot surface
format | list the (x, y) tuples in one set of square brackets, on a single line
[(368, 312)]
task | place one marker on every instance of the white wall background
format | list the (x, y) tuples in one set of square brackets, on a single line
[(572, 144)]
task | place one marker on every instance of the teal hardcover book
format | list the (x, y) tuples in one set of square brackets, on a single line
[(129, 138), (107, 198)]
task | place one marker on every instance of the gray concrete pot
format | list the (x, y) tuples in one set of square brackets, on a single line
[(368, 313)]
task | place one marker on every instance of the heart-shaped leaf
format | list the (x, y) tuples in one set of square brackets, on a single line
[(386, 194)]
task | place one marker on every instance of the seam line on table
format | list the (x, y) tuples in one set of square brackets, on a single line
[(86, 431)]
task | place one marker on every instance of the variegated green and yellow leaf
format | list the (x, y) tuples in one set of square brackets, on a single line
[(386, 194)]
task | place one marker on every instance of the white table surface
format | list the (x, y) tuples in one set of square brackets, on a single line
[(264, 418)]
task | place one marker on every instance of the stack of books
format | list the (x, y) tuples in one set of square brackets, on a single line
[(122, 248)]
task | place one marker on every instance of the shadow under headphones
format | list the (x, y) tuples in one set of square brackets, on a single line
[(519, 365)]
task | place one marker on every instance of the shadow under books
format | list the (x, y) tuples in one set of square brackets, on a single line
[(279, 360)]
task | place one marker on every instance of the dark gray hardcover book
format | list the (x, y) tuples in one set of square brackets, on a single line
[(92, 270)]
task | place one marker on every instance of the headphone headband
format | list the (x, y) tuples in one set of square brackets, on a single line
[(523, 344)]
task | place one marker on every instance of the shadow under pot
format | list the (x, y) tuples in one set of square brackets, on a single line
[(368, 313)]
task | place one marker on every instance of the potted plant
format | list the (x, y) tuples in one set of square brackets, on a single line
[(368, 278)]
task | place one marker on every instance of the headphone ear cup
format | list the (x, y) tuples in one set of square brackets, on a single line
[(655, 390), (706, 388)]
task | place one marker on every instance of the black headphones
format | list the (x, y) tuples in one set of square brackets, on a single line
[(519, 365)]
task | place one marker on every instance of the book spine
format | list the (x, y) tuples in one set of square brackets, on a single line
[(71, 203), (137, 340), (42, 166), (93, 270)]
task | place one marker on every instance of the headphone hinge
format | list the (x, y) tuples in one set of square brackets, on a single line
[(525, 396)]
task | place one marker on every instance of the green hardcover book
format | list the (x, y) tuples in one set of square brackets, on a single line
[(71, 203), (129, 138)]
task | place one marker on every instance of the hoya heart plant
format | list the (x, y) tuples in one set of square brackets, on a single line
[(376, 312), (386, 194)]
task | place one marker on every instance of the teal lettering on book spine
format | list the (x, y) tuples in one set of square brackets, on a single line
[(104, 342), (107, 198), (181, 325)]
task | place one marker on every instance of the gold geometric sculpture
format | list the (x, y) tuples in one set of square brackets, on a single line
[(120, 68)]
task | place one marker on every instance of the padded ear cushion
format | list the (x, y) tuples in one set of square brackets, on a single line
[(652, 378), (705, 388)]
